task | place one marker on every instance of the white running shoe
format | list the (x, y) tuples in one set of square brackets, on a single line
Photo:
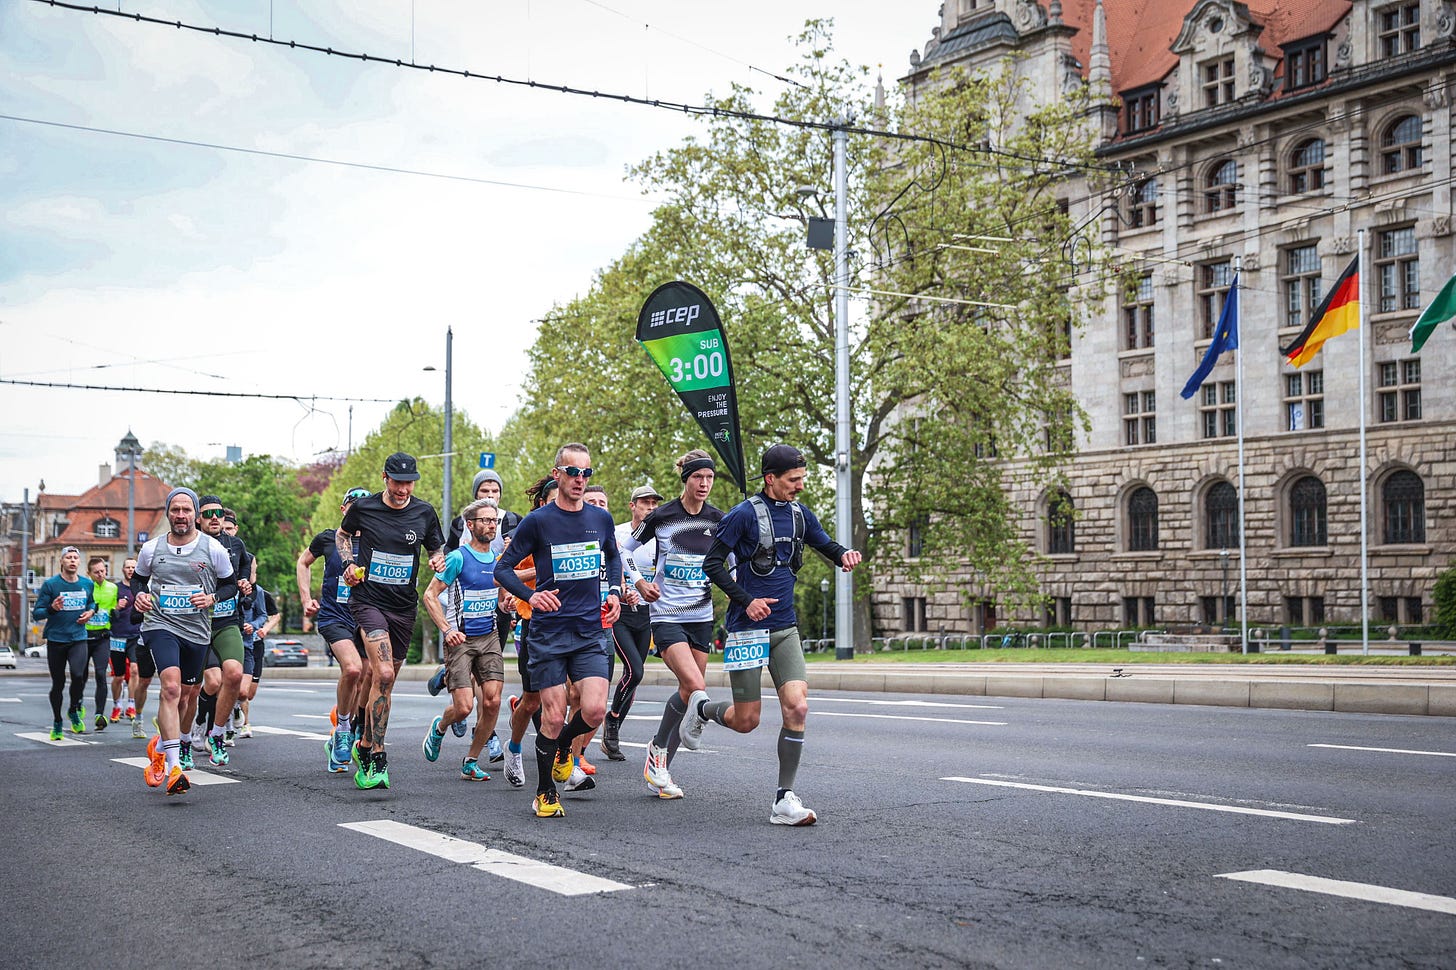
[(579, 781), (666, 791), (691, 731), (515, 773), (655, 772), (790, 811), (199, 735), (246, 731)]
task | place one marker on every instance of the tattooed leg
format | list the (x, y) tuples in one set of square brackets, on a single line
[(381, 654)]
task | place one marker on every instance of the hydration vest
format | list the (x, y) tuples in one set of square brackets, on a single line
[(765, 558)]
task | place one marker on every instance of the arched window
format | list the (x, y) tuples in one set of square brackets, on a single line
[(1221, 517), (107, 528), (1307, 167), (1061, 527), (1404, 498), (1142, 520), (1221, 189), (1307, 525), (1400, 146)]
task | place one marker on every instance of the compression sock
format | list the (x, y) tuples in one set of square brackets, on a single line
[(536, 720), (672, 715), (791, 746), (576, 727), (173, 750), (545, 754), (206, 708), (714, 711)]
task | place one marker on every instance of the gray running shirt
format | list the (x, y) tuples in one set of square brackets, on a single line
[(175, 573)]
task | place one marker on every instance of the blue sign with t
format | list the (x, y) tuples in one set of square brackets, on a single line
[(487, 459)]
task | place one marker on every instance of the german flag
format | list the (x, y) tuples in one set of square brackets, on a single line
[(1338, 312)]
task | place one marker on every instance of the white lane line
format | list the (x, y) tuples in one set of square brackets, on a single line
[(289, 690), (905, 717), (45, 738), (197, 776), (1172, 802), (557, 879), (306, 735), (1353, 747), (680, 751), (819, 699), (9, 700), (314, 717), (1350, 890)]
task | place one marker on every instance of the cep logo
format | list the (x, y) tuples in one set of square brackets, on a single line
[(683, 315)]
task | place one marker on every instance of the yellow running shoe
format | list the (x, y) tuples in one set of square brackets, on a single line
[(548, 805), (561, 767)]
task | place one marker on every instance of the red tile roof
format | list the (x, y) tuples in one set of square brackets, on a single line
[(83, 511)]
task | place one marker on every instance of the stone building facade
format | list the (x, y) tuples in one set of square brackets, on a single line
[(1263, 139)]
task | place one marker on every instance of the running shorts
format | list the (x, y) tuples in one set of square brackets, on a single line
[(699, 636), (785, 664), (169, 650), (475, 661), (399, 627), (227, 644), (560, 656), (146, 666)]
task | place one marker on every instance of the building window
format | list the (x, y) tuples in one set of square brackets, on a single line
[(1142, 109), (1301, 282), (1404, 497), (1059, 611), (1137, 314), (1138, 611), (1398, 268), (915, 545), (1214, 282), (1142, 209), (1399, 29), (1401, 609), (1221, 190), (1400, 146), (107, 528), (913, 610), (1304, 610), (1304, 400), (1142, 520), (1307, 525), (1307, 167), (1221, 517), (1304, 65), (1218, 82), (1218, 406), (1399, 395), (1214, 612), (1061, 526), (1140, 418)]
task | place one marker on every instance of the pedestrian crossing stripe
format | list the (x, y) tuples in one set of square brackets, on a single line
[(195, 776), (305, 735), (45, 738)]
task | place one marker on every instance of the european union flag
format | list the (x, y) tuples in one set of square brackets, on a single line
[(1225, 337)]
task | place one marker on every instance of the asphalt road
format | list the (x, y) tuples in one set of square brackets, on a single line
[(1011, 833)]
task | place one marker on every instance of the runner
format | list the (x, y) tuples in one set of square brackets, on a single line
[(681, 603), (223, 671), (98, 633), (191, 573), (65, 602), (767, 533), (260, 618), (578, 594), (336, 625), (486, 484), (594, 495), (632, 633), (124, 664), (391, 526), (472, 649), (526, 708)]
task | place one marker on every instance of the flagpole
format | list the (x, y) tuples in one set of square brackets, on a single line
[(1364, 528), (1243, 544)]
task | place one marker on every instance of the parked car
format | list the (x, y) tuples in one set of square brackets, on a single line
[(284, 653), (35, 650), (7, 657)]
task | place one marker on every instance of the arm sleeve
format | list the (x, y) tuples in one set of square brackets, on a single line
[(457, 532), (91, 596), (715, 565), (613, 559), (222, 563), (42, 608), (818, 540), (505, 567)]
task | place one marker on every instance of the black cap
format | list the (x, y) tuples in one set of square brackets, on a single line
[(781, 458), (401, 467)]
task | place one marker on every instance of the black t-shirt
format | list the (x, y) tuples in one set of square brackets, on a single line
[(229, 612), (390, 540)]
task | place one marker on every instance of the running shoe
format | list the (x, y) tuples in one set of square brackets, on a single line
[(356, 757), (56, 731), (363, 770), (669, 790), (229, 737), (136, 727), (610, 745), (470, 770), (437, 681), (198, 737), (459, 728), (101, 722), (515, 772), (433, 737), (184, 758), (156, 771), (513, 701), (78, 724), (217, 750), (655, 770), (381, 770), (131, 710), (548, 805), (562, 765), (246, 731), (586, 766), (177, 782), (693, 722), (116, 713), (580, 781), (494, 753), (334, 715), (338, 746), (788, 810)]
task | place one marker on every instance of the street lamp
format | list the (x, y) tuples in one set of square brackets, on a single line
[(447, 512), (824, 612)]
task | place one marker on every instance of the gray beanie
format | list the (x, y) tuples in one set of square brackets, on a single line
[(182, 490), (484, 475)]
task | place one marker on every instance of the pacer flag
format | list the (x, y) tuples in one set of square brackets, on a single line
[(1338, 313), (680, 330)]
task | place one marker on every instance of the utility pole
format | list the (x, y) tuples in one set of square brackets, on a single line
[(24, 628), (843, 427)]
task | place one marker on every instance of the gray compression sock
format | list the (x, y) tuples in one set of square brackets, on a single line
[(791, 746)]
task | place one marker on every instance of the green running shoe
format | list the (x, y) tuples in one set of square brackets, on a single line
[(78, 723), (184, 758), (433, 737), (381, 770), (56, 731)]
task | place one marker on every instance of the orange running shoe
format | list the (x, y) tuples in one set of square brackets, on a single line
[(334, 715), (156, 770), (177, 782), (586, 767)]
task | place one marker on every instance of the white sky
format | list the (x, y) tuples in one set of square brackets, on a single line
[(140, 263)]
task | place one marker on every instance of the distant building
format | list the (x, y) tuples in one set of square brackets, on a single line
[(1265, 136)]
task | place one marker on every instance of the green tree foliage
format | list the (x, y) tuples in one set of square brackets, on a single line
[(1444, 595)]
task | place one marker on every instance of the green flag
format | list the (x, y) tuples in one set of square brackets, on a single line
[(1442, 308)]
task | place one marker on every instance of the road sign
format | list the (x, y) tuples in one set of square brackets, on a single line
[(487, 459)]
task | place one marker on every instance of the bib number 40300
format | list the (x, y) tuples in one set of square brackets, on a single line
[(746, 650)]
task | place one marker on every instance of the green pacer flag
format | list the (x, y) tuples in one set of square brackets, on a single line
[(1442, 308), (681, 331)]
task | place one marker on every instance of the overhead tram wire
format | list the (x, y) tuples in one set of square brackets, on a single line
[(675, 106), (166, 390)]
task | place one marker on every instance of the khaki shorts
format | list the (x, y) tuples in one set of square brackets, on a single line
[(475, 661), (785, 664)]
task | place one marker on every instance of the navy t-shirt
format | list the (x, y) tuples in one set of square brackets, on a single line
[(334, 595), (575, 553), (738, 530)]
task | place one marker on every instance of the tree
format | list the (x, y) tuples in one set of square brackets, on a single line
[(954, 360)]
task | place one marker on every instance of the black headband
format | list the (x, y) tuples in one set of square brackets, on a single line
[(697, 465)]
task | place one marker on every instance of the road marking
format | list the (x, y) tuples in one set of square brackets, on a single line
[(1350, 890), (1172, 802), (290, 690), (680, 751), (314, 717), (905, 717), (1353, 747), (306, 735), (864, 700), (45, 738), (197, 776), (566, 882), (9, 700)]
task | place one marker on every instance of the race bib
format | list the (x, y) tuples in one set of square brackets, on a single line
[(73, 599), (118, 644), (391, 568), (746, 650), (100, 618), (576, 560), (176, 600), (341, 595), (683, 569), (478, 603), (225, 608)]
